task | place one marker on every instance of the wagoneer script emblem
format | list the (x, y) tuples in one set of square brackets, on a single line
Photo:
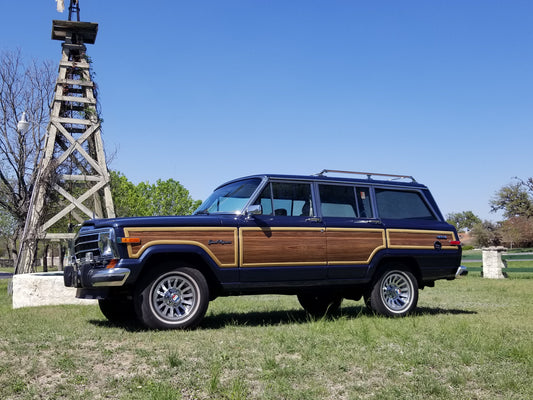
[(218, 242)]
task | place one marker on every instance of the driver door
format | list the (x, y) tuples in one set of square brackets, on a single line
[(287, 242)]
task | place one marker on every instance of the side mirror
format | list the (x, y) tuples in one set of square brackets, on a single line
[(254, 209)]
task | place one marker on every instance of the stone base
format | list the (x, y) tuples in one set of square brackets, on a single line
[(493, 265), (43, 289)]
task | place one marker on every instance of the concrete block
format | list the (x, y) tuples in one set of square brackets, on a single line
[(493, 265), (43, 289)]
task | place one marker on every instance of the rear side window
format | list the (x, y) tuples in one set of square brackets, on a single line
[(345, 201), (400, 204)]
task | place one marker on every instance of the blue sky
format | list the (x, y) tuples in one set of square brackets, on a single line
[(205, 91)]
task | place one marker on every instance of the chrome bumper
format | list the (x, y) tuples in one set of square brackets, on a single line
[(461, 271), (109, 277)]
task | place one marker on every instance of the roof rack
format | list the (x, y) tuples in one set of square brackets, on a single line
[(368, 174)]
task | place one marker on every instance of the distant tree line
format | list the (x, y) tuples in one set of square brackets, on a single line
[(144, 199), (515, 200)]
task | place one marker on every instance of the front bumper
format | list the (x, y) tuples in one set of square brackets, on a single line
[(91, 275)]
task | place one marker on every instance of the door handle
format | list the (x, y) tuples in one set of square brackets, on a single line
[(313, 219), (370, 221)]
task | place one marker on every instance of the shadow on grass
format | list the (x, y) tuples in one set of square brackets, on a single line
[(129, 326), (301, 317), (272, 318)]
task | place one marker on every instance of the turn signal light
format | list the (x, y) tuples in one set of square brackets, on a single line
[(130, 240), (112, 263)]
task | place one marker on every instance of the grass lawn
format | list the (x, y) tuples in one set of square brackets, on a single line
[(470, 339)]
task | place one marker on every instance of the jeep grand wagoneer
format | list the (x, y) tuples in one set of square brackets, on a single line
[(320, 237)]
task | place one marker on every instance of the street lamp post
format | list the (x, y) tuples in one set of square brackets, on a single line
[(23, 125)]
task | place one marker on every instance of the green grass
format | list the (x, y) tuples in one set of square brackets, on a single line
[(470, 338)]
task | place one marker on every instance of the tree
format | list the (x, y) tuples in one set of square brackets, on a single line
[(23, 88), (162, 198), (463, 221), (7, 230), (486, 234), (126, 198), (517, 232), (514, 199)]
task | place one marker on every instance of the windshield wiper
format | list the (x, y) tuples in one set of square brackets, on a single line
[(202, 212)]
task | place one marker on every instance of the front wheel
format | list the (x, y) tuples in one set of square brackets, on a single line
[(117, 309), (173, 299), (394, 294)]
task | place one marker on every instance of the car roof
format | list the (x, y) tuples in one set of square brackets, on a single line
[(395, 181)]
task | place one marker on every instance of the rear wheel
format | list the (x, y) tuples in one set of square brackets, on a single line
[(394, 294), (320, 305), (173, 298)]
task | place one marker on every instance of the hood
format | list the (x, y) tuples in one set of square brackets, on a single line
[(174, 221)]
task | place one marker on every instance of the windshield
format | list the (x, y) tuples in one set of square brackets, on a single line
[(230, 198)]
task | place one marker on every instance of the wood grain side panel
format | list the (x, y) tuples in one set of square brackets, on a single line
[(353, 246), (220, 243), (278, 246), (403, 239)]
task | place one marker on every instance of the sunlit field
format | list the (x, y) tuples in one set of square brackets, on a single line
[(470, 338)]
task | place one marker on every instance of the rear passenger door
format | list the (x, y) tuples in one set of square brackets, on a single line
[(353, 234), (287, 242)]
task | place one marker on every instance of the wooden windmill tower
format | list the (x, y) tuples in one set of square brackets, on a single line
[(73, 180)]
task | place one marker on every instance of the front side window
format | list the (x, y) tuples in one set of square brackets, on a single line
[(400, 204), (230, 198), (286, 199)]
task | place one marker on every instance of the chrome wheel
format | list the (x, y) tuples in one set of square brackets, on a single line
[(396, 291), (174, 297), (394, 294)]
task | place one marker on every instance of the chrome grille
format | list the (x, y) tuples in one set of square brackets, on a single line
[(87, 242)]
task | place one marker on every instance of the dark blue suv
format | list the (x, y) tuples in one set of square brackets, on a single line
[(320, 237)]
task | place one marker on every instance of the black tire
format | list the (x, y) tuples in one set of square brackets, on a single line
[(319, 305), (117, 310), (394, 293), (172, 298), (366, 299)]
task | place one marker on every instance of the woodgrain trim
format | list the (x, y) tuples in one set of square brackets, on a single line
[(224, 255), (354, 245), (275, 246), (418, 239)]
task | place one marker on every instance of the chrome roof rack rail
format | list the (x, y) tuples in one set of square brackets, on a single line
[(368, 174)]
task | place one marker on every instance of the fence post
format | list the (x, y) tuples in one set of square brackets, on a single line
[(493, 264)]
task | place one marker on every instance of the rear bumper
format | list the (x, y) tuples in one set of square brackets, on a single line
[(461, 271)]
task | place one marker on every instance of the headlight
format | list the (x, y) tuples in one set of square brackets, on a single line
[(106, 244)]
